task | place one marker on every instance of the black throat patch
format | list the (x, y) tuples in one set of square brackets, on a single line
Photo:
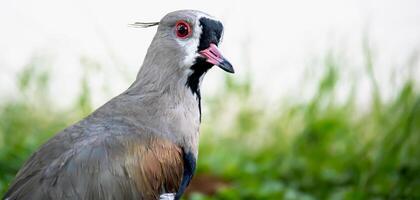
[(193, 82), (211, 33)]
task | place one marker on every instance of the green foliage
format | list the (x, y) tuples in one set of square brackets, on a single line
[(319, 148), (315, 149)]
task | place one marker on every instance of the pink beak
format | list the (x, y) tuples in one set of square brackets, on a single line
[(213, 56)]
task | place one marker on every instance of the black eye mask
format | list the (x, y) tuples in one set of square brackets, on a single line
[(212, 31)]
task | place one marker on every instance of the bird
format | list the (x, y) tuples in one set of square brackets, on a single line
[(143, 143)]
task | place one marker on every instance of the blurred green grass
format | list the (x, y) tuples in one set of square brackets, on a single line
[(319, 148)]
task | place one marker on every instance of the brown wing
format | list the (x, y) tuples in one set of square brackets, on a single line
[(125, 166)]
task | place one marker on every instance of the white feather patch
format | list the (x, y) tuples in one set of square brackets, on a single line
[(167, 196), (190, 45)]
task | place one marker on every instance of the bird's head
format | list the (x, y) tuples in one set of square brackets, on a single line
[(187, 40)]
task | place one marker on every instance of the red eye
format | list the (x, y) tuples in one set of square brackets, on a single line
[(182, 29)]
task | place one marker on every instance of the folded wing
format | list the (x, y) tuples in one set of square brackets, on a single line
[(105, 166)]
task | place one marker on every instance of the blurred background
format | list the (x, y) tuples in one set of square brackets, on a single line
[(325, 103)]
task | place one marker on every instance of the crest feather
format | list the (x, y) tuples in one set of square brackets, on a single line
[(143, 24)]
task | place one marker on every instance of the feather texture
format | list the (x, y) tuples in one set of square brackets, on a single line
[(143, 24), (133, 164)]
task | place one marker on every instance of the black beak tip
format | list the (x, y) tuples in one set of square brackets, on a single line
[(226, 66)]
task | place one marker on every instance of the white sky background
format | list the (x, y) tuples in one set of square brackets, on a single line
[(278, 41)]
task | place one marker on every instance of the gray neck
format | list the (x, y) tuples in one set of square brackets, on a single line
[(161, 100)]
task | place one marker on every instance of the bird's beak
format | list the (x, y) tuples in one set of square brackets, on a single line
[(213, 56)]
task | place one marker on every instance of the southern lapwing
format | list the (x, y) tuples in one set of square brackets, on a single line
[(142, 144)]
